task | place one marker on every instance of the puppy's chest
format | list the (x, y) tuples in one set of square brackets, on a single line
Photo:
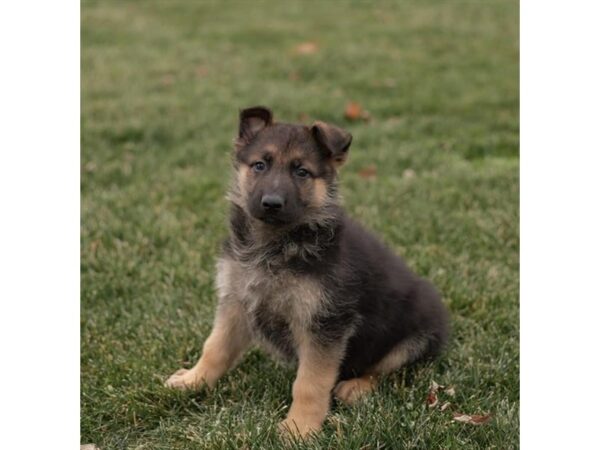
[(281, 306)]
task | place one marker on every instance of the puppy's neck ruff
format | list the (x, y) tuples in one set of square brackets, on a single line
[(274, 247)]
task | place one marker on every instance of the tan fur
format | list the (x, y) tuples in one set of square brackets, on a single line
[(399, 356), (320, 196), (226, 343), (271, 150), (228, 340), (296, 299), (350, 391), (238, 193), (311, 392), (298, 155), (242, 174), (241, 289)]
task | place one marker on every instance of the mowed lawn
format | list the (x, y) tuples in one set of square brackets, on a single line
[(435, 172)]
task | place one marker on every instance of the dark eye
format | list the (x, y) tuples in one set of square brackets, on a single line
[(302, 173), (259, 166)]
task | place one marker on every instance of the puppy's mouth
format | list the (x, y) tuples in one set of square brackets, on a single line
[(277, 219), (274, 219)]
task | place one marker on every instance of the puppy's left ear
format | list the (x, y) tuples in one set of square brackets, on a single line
[(252, 121), (333, 140)]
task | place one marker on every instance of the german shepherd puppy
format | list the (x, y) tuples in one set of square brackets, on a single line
[(306, 282)]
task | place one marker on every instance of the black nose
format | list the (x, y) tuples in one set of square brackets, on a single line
[(272, 201)]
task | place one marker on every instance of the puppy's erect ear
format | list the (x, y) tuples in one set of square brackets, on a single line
[(252, 120), (333, 140)]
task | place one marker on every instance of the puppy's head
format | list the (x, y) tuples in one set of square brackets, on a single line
[(286, 173)]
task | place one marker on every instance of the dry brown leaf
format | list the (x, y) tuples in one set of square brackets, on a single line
[(474, 419), (368, 172), (432, 398), (306, 48), (450, 391), (445, 406), (436, 387), (354, 111)]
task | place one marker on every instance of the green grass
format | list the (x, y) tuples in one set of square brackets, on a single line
[(161, 86)]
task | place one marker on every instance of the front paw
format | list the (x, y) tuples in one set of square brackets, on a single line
[(185, 379), (298, 427)]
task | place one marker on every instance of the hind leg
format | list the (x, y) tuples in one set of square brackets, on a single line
[(402, 354), (350, 391)]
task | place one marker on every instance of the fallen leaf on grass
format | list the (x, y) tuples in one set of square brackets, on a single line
[(433, 401), (475, 419), (306, 48), (368, 172), (432, 398), (354, 111)]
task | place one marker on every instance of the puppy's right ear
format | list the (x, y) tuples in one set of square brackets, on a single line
[(252, 121), (333, 140)]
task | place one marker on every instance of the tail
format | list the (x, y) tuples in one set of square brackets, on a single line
[(437, 319)]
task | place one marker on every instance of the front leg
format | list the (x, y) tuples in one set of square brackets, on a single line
[(228, 340), (317, 373)]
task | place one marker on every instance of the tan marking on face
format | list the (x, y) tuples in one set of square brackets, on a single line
[(258, 153), (319, 192), (295, 154), (243, 174), (299, 155), (272, 149)]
